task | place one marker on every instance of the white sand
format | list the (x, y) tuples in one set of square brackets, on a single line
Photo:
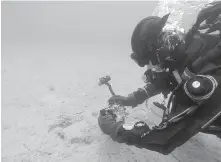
[(50, 106)]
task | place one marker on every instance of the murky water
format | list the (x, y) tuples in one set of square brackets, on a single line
[(54, 54)]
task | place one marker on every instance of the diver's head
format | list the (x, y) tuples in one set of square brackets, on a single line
[(154, 39)]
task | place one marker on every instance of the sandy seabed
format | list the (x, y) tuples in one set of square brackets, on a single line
[(51, 101)]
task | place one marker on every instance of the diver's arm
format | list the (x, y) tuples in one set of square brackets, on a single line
[(135, 98), (211, 55), (139, 96), (119, 131), (134, 134), (107, 123)]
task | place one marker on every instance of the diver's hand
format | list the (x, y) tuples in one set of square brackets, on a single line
[(211, 14), (214, 27), (105, 112), (117, 99), (123, 101)]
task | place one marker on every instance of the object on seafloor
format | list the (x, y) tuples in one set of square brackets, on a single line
[(105, 80), (119, 111)]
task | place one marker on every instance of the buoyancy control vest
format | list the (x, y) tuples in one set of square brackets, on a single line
[(198, 80)]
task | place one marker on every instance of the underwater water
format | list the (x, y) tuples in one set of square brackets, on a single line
[(53, 54)]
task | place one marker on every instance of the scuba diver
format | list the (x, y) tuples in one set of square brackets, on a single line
[(186, 66)]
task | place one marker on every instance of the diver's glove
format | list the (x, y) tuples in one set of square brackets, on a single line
[(124, 101), (211, 14), (105, 112)]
